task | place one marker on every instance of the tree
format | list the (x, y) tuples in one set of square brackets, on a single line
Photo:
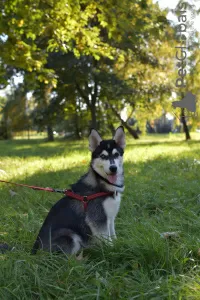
[(99, 54), (14, 112)]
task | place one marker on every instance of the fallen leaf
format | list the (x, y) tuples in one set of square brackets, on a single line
[(12, 193), (167, 235)]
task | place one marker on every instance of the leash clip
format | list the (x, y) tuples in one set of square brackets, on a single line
[(85, 199), (85, 202)]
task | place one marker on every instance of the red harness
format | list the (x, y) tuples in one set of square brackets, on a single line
[(69, 193)]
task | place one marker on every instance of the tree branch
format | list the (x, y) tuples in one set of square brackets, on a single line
[(130, 130), (83, 95), (94, 95)]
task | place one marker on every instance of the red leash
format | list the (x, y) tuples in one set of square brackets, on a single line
[(69, 193)]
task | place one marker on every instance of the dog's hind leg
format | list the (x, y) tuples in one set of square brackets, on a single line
[(66, 241)]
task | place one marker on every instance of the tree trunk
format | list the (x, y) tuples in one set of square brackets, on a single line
[(112, 128), (78, 134), (185, 127), (93, 104), (28, 133), (77, 127), (93, 116), (6, 130), (47, 95), (130, 130), (90, 104), (50, 136), (109, 119)]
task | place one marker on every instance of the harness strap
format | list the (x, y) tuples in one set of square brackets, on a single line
[(69, 193), (86, 199)]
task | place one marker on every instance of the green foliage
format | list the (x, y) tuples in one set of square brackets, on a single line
[(14, 111), (95, 56), (37, 27)]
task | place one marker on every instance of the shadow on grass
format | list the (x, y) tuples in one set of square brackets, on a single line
[(38, 148), (162, 143)]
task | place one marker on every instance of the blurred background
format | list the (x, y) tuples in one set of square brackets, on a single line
[(67, 66)]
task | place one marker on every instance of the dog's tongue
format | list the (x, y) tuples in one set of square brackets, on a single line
[(112, 178)]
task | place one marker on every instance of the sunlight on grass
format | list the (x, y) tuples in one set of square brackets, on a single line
[(162, 194)]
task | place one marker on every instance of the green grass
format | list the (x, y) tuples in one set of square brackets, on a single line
[(162, 194)]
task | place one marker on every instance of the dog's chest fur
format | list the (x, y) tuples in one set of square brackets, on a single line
[(111, 206)]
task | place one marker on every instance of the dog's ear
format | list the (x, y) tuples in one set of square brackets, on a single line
[(119, 137), (94, 140)]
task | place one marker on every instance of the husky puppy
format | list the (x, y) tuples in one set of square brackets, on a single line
[(68, 226)]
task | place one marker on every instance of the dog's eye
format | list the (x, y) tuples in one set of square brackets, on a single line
[(102, 156), (116, 155)]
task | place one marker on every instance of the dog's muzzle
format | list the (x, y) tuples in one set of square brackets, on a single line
[(113, 169)]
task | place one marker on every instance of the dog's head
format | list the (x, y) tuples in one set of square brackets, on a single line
[(107, 155)]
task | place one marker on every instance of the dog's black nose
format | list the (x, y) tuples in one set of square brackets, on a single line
[(113, 169)]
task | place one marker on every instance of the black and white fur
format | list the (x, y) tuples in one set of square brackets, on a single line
[(68, 227)]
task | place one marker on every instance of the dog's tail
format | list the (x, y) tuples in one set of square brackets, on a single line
[(4, 247), (35, 247)]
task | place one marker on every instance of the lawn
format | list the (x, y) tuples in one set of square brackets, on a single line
[(162, 194)]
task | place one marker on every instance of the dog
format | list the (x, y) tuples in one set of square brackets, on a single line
[(69, 227)]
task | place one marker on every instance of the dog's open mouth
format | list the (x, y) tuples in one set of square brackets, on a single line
[(112, 178)]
